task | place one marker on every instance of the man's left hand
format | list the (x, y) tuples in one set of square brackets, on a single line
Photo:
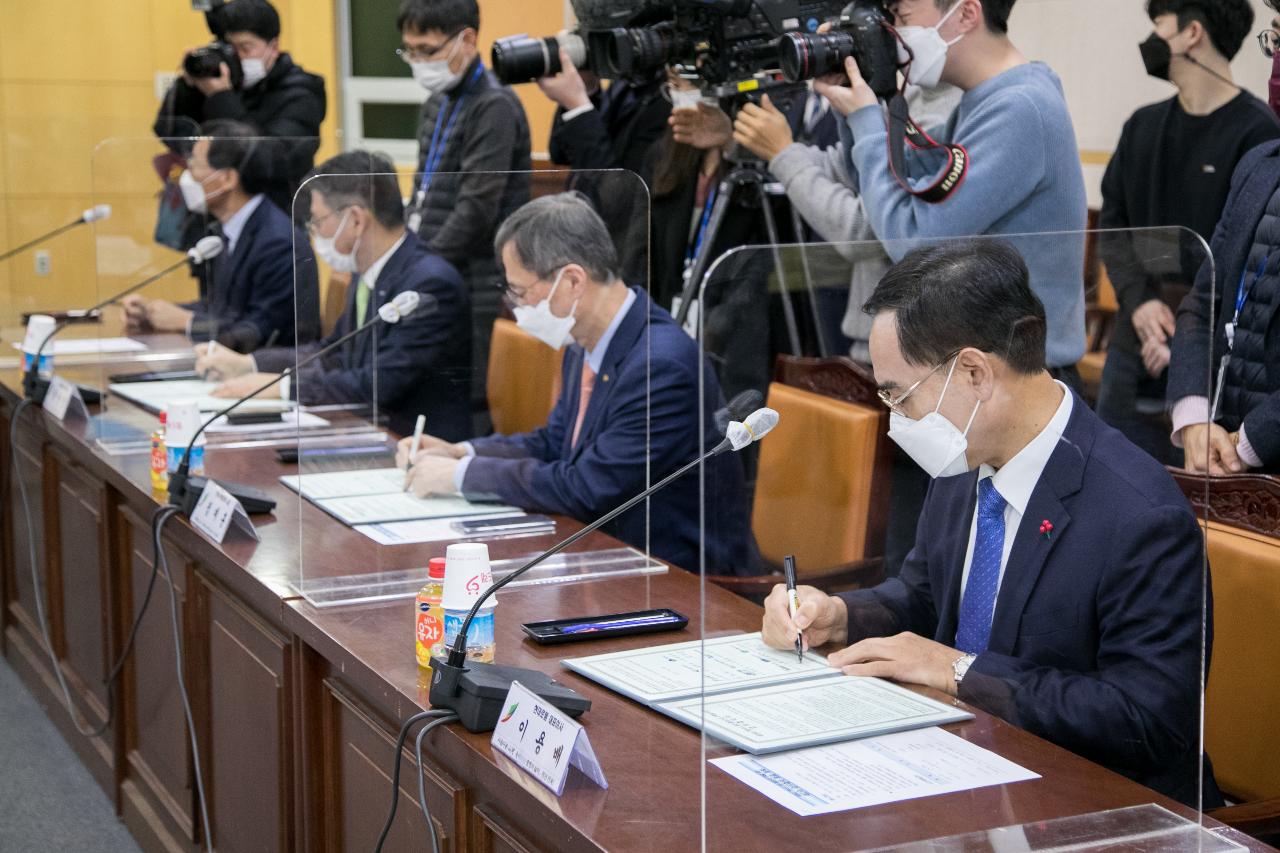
[(212, 85), (908, 658), (762, 130), (164, 316), (567, 88), (241, 385), (431, 475)]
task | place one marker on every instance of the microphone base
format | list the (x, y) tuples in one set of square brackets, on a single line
[(36, 389), (476, 691), (187, 494)]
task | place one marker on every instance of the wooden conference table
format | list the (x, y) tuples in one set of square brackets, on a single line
[(296, 707)]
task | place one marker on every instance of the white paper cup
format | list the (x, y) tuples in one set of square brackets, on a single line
[(466, 575), (38, 328)]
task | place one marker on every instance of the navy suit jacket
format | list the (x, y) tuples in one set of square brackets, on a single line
[(643, 408), (420, 365), (247, 298), (1096, 635)]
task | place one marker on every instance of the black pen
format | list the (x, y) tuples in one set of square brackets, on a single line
[(793, 599)]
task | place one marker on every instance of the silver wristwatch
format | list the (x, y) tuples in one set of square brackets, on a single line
[(961, 665)]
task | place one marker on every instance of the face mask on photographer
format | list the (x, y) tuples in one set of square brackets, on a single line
[(933, 442), (193, 193), (538, 320), (928, 51), (327, 250), (435, 75), (255, 71)]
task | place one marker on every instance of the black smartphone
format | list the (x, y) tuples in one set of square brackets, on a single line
[(250, 418), (600, 627), (503, 524), (153, 376), (289, 455)]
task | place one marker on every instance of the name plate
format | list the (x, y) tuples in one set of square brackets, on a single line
[(217, 510), (63, 396), (544, 742)]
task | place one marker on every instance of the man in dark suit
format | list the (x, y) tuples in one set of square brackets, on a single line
[(1057, 575), (247, 300), (420, 365), (628, 412)]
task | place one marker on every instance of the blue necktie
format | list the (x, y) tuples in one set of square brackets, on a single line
[(984, 572)]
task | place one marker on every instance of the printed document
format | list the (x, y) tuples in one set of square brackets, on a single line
[(400, 506), (347, 484), (154, 396), (90, 346)]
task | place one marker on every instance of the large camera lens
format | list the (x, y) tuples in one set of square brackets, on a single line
[(521, 59), (804, 57), (207, 61), (640, 50)]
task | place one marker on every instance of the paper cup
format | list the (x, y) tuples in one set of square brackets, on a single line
[(38, 328), (466, 575)]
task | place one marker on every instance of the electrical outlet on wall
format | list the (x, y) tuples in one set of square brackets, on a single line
[(44, 262)]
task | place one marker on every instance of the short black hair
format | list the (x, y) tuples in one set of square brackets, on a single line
[(246, 16), (236, 145), (448, 16), (972, 293), (363, 178), (995, 12), (1227, 21)]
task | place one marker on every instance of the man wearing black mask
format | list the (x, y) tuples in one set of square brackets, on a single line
[(1172, 167)]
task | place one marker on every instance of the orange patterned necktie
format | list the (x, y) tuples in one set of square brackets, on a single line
[(584, 397)]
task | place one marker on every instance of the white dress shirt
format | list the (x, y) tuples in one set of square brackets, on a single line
[(234, 227)]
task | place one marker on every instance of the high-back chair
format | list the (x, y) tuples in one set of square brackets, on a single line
[(523, 379)]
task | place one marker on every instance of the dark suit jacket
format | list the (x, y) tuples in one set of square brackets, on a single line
[(1195, 345), (644, 406), (617, 134), (1096, 636), (247, 297), (420, 365)]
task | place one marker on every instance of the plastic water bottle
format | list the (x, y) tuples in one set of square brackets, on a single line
[(428, 626), (467, 576), (183, 421), (39, 327)]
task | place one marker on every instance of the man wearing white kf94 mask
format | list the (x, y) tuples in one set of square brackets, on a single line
[(628, 411), (1056, 579)]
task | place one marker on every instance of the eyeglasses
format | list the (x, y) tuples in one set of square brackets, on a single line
[(1269, 41), (895, 404), (425, 53), (514, 294), (313, 224)]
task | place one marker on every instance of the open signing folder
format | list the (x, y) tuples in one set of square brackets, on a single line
[(377, 496)]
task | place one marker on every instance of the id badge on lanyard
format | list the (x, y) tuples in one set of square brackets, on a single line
[(435, 153), (1242, 297)]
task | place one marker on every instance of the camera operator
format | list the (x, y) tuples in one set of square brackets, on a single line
[(1023, 167), (275, 97)]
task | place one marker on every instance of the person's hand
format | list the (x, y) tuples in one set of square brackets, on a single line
[(429, 445), (1153, 320), (823, 618), (431, 475), (212, 85), (1155, 357), (846, 99), (704, 128), (762, 130), (1209, 449), (164, 316), (225, 363), (567, 88), (135, 312), (242, 385), (907, 658)]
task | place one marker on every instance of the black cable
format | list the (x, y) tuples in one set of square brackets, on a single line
[(163, 561), (422, 795), (395, 772), (164, 510)]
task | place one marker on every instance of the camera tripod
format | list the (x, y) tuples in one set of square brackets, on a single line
[(749, 174)]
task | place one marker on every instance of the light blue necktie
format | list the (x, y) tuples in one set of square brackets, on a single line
[(984, 572)]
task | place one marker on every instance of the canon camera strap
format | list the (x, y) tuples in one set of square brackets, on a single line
[(903, 132)]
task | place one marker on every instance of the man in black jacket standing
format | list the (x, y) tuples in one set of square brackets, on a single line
[(473, 154), (276, 98)]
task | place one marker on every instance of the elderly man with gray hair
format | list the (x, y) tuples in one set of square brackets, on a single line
[(629, 410)]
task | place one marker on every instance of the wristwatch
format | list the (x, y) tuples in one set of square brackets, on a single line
[(961, 665)]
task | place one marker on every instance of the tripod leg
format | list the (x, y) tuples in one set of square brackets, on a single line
[(797, 224), (702, 260), (788, 309)]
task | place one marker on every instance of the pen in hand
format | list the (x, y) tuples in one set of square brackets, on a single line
[(418, 427), (208, 355), (793, 600)]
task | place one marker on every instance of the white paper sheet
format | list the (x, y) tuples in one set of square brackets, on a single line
[(884, 769), (788, 716), (347, 484), (158, 395), (662, 673), (371, 509), (91, 346)]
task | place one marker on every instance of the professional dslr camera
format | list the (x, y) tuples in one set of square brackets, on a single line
[(863, 32), (206, 61), (522, 59)]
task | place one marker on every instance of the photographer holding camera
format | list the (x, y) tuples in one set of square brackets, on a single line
[(1022, 171), (245, 77)]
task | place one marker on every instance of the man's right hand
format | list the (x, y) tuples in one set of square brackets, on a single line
[(823, 618), (704, 128), (1209, 449), (1153, 320), (224, 364), (429, 445)]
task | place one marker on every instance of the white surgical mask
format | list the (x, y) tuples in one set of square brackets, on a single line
[(193, 194), (933, 442), (538, 320), (436, 76), (928, 51), (255, 71), (328, 252)]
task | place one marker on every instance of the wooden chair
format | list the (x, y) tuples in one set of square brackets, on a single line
[(1242, 700), (335, 300), (523, 379), (1100, 312), (823, 482)]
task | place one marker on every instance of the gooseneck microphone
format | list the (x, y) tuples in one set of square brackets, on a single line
[(185, 490), (93, 214), (207, 248), (475, 691)]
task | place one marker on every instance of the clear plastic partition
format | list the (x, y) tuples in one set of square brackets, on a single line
[(534, 422), (176, 267), (1064, 583)]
